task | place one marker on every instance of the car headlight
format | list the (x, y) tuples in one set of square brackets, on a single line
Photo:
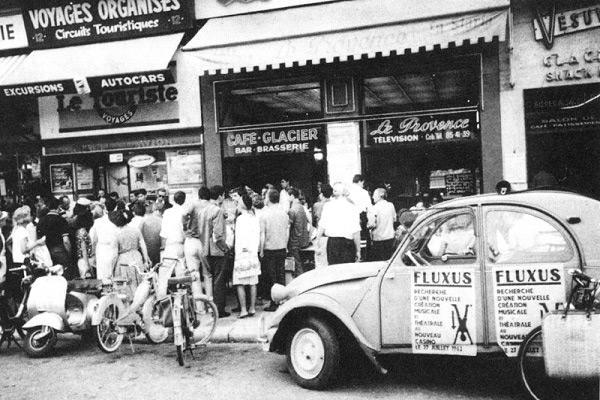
[(280, 294)]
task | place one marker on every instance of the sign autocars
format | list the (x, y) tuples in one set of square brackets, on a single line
[(272, 140), (67, 22), (442, 127)]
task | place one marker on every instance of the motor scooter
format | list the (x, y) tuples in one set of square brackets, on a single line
[(55, 305), (13, 312)]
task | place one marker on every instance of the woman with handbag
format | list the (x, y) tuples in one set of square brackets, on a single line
[(246, 267)]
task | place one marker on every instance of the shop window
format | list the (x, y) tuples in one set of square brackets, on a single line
[(515, 237), (446, 240), (259, 103), (409, 91)]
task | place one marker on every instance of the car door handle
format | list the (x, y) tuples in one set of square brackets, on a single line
[(391, 275)]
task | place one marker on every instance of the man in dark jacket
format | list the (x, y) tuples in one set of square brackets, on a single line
[(56, 230), (299, 236)]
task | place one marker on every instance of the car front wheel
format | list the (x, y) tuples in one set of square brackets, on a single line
[(313, 354)]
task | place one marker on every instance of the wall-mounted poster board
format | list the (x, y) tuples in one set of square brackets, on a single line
[(85, 177), (61, 178), (184, 167)]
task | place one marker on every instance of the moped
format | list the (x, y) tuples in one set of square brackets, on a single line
[(55, 305), (133, 315)]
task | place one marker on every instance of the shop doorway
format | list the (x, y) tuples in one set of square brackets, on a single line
[(433, 169), (302, 170), (563, 138), (568, 160)]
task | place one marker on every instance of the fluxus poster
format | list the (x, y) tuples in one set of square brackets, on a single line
[(522, 295), (443, 317)]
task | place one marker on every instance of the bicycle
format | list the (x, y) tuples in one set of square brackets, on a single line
[(194, 318), (542, 374)]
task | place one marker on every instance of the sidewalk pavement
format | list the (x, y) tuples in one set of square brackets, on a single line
[(232, 329)]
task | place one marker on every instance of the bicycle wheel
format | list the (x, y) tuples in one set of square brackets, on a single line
[(107, 332), (534, 379), (206, 323)]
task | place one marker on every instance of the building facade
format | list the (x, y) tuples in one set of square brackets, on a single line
[(550, 96), (407, 96)]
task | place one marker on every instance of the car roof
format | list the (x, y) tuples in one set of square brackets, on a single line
[(562, 205)]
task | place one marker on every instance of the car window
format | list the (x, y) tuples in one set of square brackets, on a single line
[(447, 239), (518, 237)]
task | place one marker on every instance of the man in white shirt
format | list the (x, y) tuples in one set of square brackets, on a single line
[(358, 195), (284, 197), (171, 230), (382, 216), (341, 224)]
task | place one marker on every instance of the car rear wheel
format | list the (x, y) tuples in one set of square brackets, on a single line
[(313, 354)]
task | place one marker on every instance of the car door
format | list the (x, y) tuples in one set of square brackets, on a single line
[(527, 255), (431, 291)]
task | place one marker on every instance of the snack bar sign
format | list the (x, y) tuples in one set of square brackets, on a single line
[(268, 141), (66, 23), (422, 128)]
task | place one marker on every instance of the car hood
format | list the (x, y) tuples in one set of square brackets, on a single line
[(333, 274)]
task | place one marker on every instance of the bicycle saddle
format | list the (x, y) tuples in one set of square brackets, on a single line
[(181, 280)]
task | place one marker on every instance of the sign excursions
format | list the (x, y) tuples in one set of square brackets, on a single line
[(72, 22), (443, 127), (272, 140)]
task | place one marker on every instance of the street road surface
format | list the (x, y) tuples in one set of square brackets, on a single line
[(231, 371)]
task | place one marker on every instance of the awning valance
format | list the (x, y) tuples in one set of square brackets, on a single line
[(341, 30), (73, 69)]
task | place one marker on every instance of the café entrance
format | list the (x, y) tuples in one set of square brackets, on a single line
[(301, 170), (563, 138)]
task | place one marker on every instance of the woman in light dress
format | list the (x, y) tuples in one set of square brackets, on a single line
[(246, 268), (104, 242), (132, 249)]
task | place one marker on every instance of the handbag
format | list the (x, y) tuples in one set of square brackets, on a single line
[(246, 264)]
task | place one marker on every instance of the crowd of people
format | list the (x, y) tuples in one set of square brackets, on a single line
[(238, 237)]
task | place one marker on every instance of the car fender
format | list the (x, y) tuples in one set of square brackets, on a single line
[(324, 302), (103, 303), (46, 319)]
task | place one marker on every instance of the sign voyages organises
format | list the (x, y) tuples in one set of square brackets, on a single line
[(72, 22)]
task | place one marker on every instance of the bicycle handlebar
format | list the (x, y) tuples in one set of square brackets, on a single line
[(581, 278)]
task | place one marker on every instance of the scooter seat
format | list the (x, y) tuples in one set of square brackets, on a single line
[(85, 285)]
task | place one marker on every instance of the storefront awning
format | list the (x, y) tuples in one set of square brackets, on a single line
[(343, 30), (68, 70)]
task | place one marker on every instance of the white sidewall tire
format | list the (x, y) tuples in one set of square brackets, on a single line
[(313, 354)]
